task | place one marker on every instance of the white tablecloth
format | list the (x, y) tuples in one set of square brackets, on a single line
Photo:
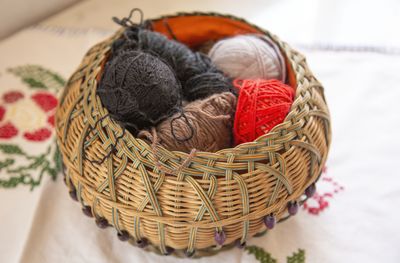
[(354, 217)]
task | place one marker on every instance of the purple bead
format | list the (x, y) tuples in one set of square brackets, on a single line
[(123, 235), (72, 194), (310, 191), (220, 237), (101, 222), (87, 210), (239, 244), (142, 243), (269, 221), (293, 207), (189, 254), (169, 251)]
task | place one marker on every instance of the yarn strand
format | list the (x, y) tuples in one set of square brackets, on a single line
[(113, 145), (153, 137), (126, 21), (182, 115)]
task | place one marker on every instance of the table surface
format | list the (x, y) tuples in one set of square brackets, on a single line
[(353, 47)]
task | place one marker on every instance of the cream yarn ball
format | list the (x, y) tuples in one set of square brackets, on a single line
[(249, 57)]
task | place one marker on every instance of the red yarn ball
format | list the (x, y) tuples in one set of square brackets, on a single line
[(262, 104)]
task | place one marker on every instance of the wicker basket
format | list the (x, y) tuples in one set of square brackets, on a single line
[(230, 191)]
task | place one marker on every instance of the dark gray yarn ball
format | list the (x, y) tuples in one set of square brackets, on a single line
[(139, 89), (198, 75)]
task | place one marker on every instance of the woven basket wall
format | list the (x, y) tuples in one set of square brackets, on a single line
[(231, 190)]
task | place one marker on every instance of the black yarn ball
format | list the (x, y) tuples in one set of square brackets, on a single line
[(139, 89), (176, 54), (199, 77)]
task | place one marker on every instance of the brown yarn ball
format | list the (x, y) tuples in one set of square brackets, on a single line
[(204, 125)]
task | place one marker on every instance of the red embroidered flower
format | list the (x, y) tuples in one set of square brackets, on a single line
[(12, 96), (32, 117), (8, 131)]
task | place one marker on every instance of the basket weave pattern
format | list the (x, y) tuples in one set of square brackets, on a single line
[(231, 190)]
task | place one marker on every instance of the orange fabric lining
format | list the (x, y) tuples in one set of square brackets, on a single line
[(197, 29)]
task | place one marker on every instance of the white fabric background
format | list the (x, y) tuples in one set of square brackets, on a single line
[(16, 14), (362, 89)]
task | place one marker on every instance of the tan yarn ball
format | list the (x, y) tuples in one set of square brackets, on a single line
[(211, 120)]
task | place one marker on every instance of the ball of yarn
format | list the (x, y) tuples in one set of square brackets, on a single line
[(172, 52), (262, 104), (249, 57), (199, 77), (139, 90), (203, 79), (204, 125)]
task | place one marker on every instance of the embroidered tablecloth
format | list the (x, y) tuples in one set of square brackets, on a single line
[(353, 217)]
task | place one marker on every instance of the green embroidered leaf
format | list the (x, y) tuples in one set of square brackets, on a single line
[(11, 149), (52, 172), (59, 79), (6, 163), (33, 169), (260, 254), (33, 83), (297, 257), (57, 159), (38, 77), (12, 182), (264, 257)]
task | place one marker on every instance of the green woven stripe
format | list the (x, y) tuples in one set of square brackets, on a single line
[(68, 117), (279, 181), (121, 168), (212, 190), (203, 197), (80, 148), (245, 203)]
